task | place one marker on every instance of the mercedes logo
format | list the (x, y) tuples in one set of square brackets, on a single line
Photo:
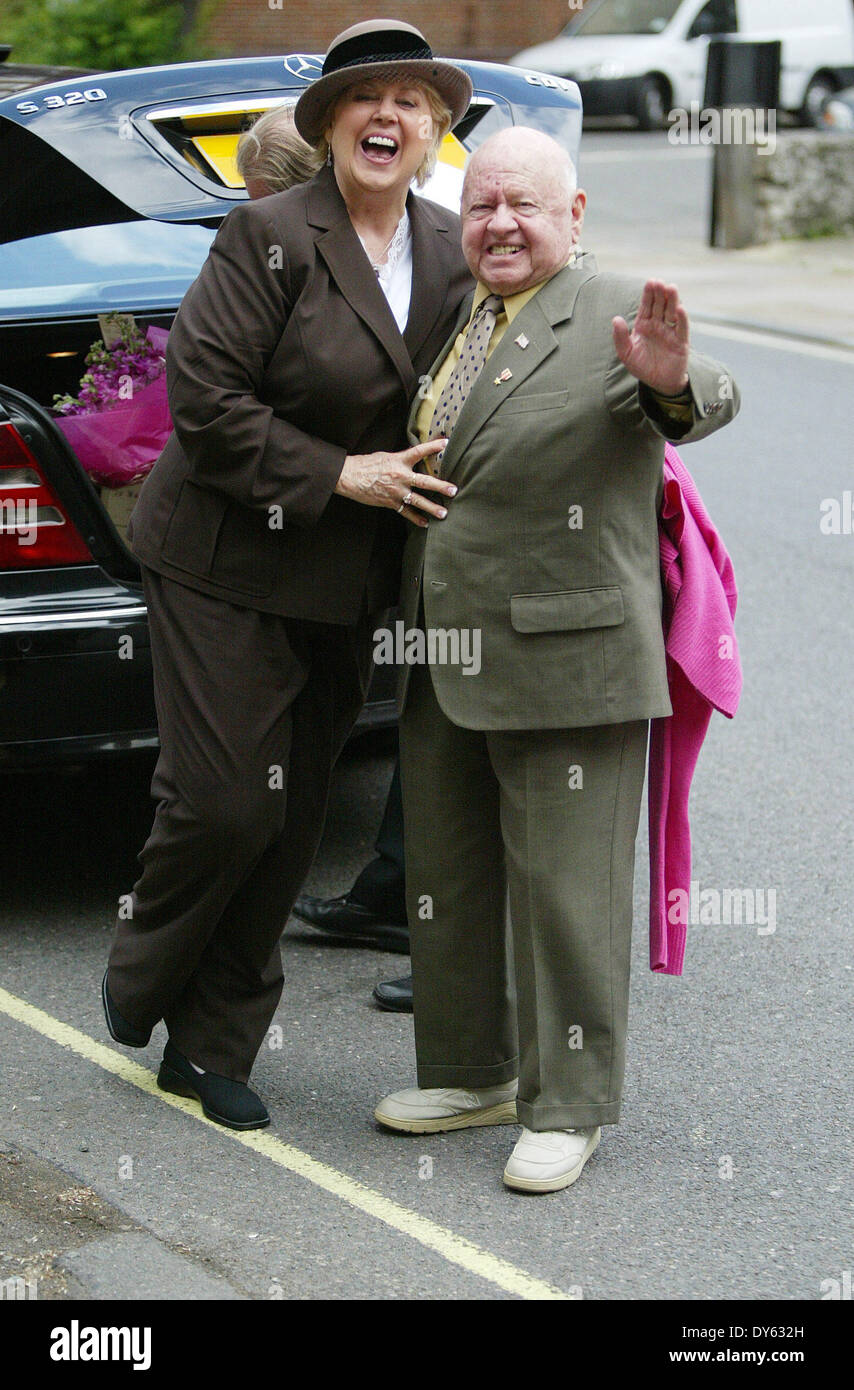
[(306, 66)]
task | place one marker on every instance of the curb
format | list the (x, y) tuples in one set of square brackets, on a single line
[(774, 331), (135, 1265)]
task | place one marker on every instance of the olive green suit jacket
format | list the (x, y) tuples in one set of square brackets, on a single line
[(550, 548)]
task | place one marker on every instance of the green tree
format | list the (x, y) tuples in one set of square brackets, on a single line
[(100, 34)]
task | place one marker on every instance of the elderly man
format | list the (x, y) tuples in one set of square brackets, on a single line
[(523, 780)]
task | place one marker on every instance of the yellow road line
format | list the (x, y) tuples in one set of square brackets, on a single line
[(452, 1247)]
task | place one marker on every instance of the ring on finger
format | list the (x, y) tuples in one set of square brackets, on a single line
[(407, 499), (400, 508)]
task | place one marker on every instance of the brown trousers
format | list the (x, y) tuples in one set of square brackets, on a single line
[(253, 709)]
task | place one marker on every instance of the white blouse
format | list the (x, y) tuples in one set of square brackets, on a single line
[(395, 275)]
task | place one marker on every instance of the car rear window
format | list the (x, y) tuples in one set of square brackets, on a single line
[(140, 266)]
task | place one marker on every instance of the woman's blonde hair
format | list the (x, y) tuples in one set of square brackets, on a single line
[(273, 150), (438, 110)]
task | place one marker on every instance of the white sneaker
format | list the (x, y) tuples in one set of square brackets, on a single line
[(549, 1160), (439, 1108)]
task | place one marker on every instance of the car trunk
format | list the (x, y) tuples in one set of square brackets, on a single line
[(41, 361), (55, 290), (43, 486)]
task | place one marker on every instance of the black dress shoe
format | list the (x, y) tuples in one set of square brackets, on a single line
[(345, 917), (395, 995), (119, 1028), (227, 1102)]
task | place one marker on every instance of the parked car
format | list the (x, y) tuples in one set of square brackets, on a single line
[(111, 189), (14, 77), (642, 58)]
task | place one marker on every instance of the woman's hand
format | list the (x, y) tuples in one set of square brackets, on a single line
[(387, 480)]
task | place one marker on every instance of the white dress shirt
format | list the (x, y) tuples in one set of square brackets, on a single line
[(395, 274)]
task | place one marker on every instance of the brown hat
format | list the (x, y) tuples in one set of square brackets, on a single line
[(382, 48)]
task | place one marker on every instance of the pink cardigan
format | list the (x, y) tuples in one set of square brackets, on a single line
[(703, 673)]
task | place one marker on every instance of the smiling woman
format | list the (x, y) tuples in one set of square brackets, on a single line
[(270, 547), (417, 101), (380, 137), (378, 118)]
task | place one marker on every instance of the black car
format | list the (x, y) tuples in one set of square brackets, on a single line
[(111, 189)]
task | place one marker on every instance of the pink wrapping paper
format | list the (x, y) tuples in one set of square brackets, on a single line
[(119, 446)]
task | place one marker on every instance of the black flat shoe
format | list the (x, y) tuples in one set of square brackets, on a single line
[(395, 995), (347, 918), (119, 1028), (226, 1102)]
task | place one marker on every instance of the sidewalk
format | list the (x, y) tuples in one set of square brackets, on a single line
[(805, 288), (63, 1242)]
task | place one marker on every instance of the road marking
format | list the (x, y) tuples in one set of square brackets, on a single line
[(781, 341), (452, 1247)]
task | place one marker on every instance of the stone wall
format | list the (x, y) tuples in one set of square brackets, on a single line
[(805, 188)]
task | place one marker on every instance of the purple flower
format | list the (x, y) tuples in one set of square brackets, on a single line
[(114, 374)]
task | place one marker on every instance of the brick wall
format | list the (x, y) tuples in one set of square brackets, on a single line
[(485, 29)]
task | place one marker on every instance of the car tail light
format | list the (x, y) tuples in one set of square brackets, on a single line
[(35, 529)]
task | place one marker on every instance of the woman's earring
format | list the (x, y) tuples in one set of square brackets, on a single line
[(329, 156)]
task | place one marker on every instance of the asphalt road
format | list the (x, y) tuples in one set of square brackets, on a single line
[(729, 1174), (640, 185)]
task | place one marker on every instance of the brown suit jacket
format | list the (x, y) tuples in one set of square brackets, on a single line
[(284, 358)]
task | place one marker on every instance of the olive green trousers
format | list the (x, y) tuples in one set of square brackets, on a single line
[(544, 821)]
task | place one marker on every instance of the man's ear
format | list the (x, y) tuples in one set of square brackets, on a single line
[(579, 203)]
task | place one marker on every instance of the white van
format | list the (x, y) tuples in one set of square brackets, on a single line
[(643, 57)]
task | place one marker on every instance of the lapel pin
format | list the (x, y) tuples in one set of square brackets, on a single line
[(522, 340), (505, 376)]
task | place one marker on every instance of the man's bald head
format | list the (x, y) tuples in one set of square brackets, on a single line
[(528, 149), (522, 211)]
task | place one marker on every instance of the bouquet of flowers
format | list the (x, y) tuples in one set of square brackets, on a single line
[(119, 422)]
